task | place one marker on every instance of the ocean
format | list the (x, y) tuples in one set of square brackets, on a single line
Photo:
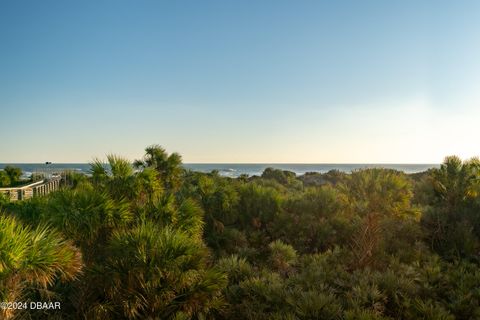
[(236, 169)]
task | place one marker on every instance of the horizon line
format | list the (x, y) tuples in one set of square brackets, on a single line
[(247, 163)]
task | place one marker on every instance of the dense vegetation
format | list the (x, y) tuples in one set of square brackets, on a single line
[(10, 176), (160, 242)]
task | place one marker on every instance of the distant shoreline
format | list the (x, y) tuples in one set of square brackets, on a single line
[(236, 169)]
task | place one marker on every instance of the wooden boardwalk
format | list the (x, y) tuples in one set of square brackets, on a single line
[(34, 189)]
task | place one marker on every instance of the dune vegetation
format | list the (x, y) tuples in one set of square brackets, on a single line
[(155, 241), (10, 176)]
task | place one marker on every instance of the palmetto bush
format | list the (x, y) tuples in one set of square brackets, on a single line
[(32, 258), (315, 305), (160, 242), (167, 166), (87, 216), (380, 191), (313, 220), (236, 268), (282, 256), (159, 272), (451, 220)]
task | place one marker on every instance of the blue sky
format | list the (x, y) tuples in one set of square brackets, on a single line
[(240, 81)]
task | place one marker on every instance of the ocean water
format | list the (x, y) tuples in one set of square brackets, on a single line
[(235, 169)]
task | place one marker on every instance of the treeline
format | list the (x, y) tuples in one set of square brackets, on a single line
[(158, 242)]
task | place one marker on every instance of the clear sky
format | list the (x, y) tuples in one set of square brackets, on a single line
[(240, 81)]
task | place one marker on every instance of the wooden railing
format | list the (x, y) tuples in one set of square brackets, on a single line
[(34, 189)]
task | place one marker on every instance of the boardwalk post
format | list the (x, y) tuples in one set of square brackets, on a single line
[(35, 189)]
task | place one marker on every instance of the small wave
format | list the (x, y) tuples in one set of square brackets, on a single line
[(26, 174)]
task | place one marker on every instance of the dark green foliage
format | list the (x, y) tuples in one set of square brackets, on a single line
[(313, 220), (32, 258), (13, 173), (10, 176), (258, 205), (168, 167), (283, 177), (160, 242), (4, 179), (452, 213), (159, 272), (315, 179), (219, 199), (86, 216), (282, 257), (382, 191), (3, 200)]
